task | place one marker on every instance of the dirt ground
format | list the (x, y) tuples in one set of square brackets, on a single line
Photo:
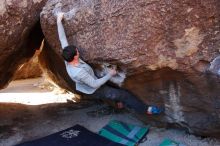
[(31, 113)]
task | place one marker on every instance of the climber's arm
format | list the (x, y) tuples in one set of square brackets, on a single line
[(61, 31)]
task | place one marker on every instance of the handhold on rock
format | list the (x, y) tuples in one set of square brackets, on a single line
[(215, 66), (117, 79)]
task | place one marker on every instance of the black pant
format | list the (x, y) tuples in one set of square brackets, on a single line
[(122, 95)]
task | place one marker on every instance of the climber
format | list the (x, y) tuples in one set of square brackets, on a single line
[(87, 83)]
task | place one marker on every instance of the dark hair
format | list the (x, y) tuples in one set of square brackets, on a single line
[(69, 52)]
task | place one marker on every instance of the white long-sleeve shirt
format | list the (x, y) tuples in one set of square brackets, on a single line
[(82, 74), (84, 77)]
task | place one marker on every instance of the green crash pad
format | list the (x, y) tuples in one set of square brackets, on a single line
[(169, 142), (124, 133)]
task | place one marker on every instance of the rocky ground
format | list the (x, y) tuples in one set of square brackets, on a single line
[(26, 120)]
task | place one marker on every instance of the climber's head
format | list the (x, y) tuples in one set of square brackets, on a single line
[(70, 53)]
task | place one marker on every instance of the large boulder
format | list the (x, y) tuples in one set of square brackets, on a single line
[(20, 34), (165, 47)]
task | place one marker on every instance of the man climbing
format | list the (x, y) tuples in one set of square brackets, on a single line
[(87, 83)]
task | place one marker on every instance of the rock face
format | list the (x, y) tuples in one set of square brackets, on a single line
[(30, 69), (165, 47), (140, 36), (17, 40), (191, 100)]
